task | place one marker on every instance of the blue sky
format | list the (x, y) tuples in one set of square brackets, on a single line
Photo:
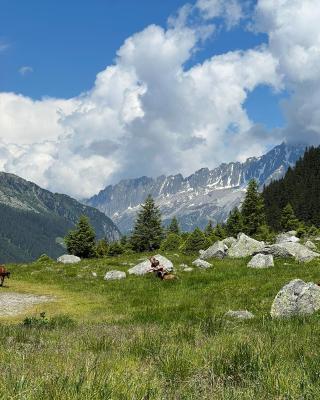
[(66, 43), (96, 91)]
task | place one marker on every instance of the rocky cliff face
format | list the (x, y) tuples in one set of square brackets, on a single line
[(206, 194)]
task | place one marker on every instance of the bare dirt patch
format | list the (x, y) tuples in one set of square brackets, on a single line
[(15, 303)]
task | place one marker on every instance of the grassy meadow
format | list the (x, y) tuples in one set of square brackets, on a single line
[(143, 338)]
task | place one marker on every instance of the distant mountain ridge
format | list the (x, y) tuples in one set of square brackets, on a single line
[(34, 220), (206, 194)]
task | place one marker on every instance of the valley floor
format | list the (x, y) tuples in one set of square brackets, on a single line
[(142, 338)]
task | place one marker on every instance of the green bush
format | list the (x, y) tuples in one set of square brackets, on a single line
[(172, 242), (115, 249), (195, 242), (44, 258)]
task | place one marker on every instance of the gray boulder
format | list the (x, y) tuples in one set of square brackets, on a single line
[(143, 267), (261, 261), (276, 250), (286, 237), (201, 263), (240, 314), (299, 252), (68, 259), (310, 245), (188, 269), (296, 298), (217, 250), (229, 241), (245, 246), (114, 275)]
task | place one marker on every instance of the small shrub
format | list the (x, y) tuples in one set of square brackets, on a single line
[(115, 249), (172, 242), (44, 258), (58, 321)]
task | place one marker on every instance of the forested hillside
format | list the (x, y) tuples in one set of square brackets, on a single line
[(300, 187), (34, 221)]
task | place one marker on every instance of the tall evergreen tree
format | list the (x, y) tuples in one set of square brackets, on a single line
[(81, 241), (252, 210), (234, 222), (288, 218), (209, 229), (148, 232), (174, 226), (220, 232)]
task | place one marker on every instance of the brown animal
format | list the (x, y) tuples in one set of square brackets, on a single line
[(160, 270), (3, 274)]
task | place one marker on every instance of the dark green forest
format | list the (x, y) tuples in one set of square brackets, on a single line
[(300, 187)]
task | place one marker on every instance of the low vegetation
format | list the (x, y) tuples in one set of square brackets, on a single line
[(142, 338)]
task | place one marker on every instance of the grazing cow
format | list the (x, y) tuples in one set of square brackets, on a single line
[(3, 274)]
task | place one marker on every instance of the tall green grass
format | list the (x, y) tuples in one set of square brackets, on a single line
[(142, 338)]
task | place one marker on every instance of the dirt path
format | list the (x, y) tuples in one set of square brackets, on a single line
[(15, 303)]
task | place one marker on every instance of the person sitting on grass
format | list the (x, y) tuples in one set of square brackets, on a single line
[(158, 269)]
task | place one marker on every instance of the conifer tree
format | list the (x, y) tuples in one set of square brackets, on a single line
[(288, 218), (196, 241), (234, 222), (148, 231), (209, 230), (174, 226), (220, 232), (102, 248), (252, 210), (81, 241)]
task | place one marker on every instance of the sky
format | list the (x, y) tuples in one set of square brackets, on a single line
[(96, 91)]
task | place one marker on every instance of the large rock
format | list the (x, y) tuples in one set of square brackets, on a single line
[(229, 241), (114, 275), (68, 259), (299, 252), (240, 314), (276, 250), (245, 246), (286, 237), (261, 261), (201, 263), (296, 298), (310, 245), (217, 250), (143, 267)]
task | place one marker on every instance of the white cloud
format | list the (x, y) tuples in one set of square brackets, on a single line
[(3, 46), (25, 70), (148, 114), (231, 10), (294, 40)]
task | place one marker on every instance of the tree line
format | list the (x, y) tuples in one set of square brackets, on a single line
[(291, 203)]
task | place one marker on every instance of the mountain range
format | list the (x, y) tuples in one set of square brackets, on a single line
[(33, 220), (194, 200)]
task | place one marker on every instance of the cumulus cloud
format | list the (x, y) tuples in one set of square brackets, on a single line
[(147, 114), (294, 40)]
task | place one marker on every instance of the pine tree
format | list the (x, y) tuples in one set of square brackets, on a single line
[(209, 230), (148, 232), (288, 219), (195, 242), (252, 210), (174, 226), (234, 222), (102, 248), (220, 232), (81, 241)]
